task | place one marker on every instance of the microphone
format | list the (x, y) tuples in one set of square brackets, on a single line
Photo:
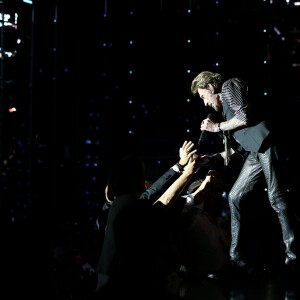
[(203, 133)]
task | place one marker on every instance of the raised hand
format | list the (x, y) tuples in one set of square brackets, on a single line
[(186, 151)]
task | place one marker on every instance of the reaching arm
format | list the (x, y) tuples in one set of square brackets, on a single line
[(163, 182), (173, 192)]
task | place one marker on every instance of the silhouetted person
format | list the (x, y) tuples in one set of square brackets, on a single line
[(134, 242)]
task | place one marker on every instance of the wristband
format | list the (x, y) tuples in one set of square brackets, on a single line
[(189, 200), (178, 168)]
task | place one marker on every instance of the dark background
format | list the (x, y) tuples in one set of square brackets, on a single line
[(78, 106), (70, 82)]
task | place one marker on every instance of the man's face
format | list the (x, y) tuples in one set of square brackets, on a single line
[(210, 98)]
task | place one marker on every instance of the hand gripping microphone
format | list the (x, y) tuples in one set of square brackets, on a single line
[(203, 133)]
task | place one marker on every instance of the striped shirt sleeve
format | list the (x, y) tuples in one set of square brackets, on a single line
[(234, 92)]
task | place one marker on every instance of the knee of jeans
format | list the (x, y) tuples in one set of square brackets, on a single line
[(232, 196), (279, 206), (234, 199)]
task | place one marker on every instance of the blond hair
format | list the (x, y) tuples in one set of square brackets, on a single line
[(203, 79)]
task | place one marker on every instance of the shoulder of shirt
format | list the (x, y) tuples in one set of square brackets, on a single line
[(237, 82), (233, 79)]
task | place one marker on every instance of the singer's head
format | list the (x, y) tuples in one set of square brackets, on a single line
[(208, 86)]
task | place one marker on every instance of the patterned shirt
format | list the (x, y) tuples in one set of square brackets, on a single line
[(234, 92)]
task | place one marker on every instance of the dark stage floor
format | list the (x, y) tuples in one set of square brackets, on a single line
[(39, 282), (259, 285), (256, 287), (29, 270)]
